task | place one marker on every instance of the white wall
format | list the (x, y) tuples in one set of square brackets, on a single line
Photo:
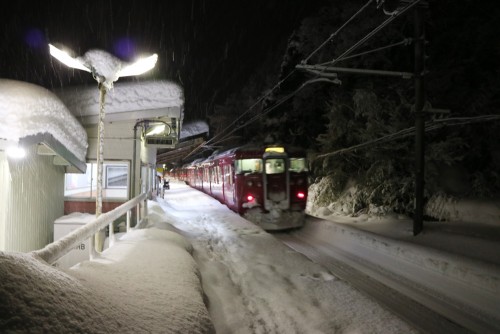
[(4, 192), (118, 145), (118, 141), (32, 199)]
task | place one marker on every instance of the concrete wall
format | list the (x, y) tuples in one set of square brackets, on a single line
[(32, 198)]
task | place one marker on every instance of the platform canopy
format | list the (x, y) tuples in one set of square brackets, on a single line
[(126, 101), (31, 114)]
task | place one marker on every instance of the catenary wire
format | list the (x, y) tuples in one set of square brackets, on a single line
[(217, 139), (338, 31), (374, 31)]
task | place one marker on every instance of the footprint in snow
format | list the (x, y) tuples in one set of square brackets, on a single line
[(321, 276)]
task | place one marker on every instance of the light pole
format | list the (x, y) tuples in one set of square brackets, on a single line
[(106, 69)]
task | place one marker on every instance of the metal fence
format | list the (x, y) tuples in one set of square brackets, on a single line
[(57, 249)]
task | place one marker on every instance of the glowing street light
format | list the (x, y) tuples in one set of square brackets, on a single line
[(106, 69), (15, 152)]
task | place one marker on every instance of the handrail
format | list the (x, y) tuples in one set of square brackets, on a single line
[(57, 249)]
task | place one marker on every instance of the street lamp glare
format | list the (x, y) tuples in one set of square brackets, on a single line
[(66, 59), (92, 60), (139, 67)]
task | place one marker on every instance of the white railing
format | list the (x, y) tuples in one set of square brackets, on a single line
[(54, 251)]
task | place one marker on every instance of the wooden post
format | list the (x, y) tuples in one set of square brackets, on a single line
[(100, 236)]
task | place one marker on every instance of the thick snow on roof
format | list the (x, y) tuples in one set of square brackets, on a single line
[(193, 128), (125, 96), (27, 109)]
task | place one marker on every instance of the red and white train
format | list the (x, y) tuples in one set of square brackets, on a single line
[(267, 185)]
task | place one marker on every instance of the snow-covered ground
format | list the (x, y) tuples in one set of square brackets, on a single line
[(455, 259), (255, 284), (147, 282), (250, 282)]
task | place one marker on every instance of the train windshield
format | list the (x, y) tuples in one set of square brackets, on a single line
[(248, 166), (275, 166), (298, 165)]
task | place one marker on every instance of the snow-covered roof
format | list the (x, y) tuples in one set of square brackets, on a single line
[(163, 98), (28, 110), (193, 128)]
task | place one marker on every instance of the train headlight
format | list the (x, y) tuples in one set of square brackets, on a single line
[(250, 198), (249, 183), (301, 195)]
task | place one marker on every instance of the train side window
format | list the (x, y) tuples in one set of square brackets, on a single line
[(248, 166), (228, 179), (298, 165)]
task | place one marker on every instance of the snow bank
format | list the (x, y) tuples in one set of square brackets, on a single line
[(459, 256), (147, 282), (27, 109), (464, 210), (38, 298), (458, 280)]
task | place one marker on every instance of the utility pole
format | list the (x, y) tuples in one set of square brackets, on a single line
[(419, 79), (419, 83)]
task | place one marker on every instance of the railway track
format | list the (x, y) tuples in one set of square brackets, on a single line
[(425, 310)]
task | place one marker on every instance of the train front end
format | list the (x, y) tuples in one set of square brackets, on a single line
[(273, 192)]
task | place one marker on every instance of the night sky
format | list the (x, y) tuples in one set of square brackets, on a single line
[(210, 47)]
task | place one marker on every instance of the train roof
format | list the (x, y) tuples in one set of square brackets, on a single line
[(259, 149), (246, 151)]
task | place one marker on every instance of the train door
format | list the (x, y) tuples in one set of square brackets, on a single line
[(228, 184), (276, 182)]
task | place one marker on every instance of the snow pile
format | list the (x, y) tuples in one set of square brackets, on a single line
[(439, 206), (464, 210), (147, 282), (460, 255), (36, 297), (125, 96), (464, 225), (27, 110)]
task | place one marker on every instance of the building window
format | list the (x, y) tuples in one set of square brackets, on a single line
[(116, 176), (115, 181)]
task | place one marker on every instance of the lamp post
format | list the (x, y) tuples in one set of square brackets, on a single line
[(106, 69)]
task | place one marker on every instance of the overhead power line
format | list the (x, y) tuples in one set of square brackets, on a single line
[(429, 126), (223, 136), (338, 31), (374, 32), (406, 41), (268, 110), (216, 137)]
